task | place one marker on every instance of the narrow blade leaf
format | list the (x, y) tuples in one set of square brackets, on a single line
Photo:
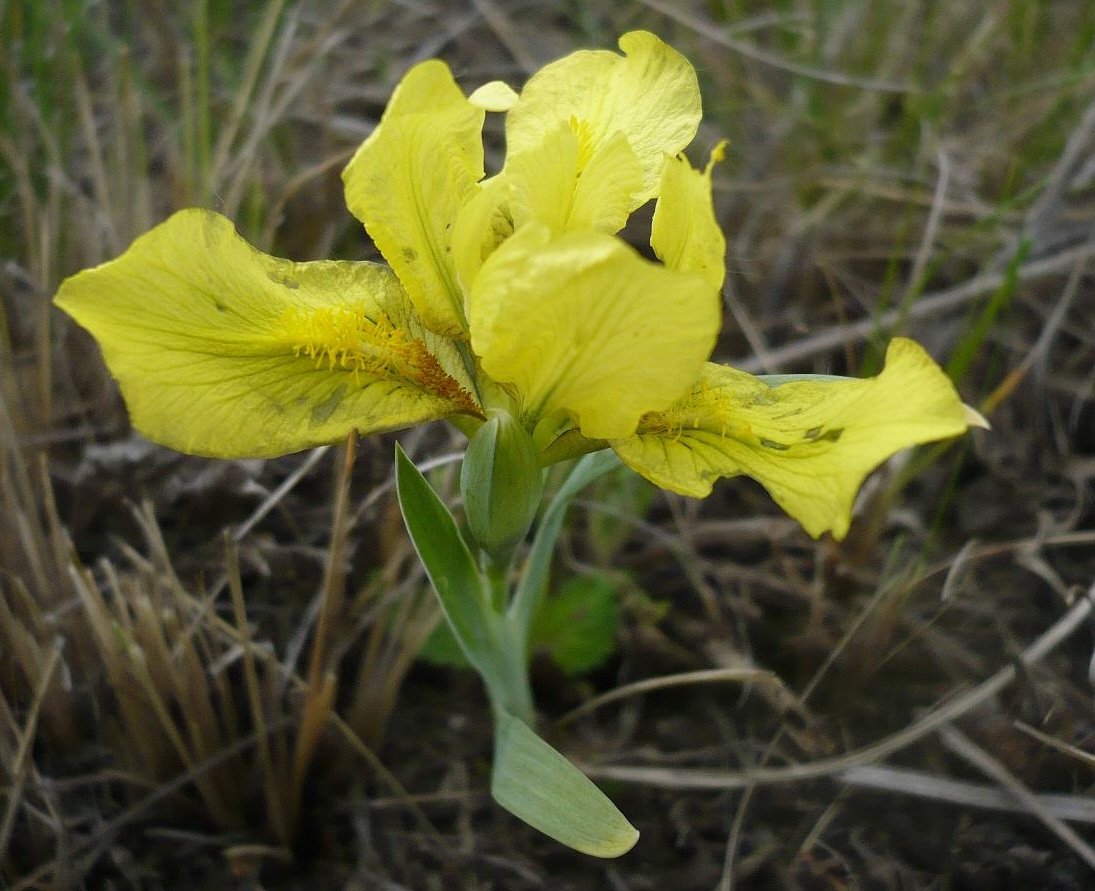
[(535, 782), (527, 596), (451, 567)]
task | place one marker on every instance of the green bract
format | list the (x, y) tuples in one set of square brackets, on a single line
[(502, 483)]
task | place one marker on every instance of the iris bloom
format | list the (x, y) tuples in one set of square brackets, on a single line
[(511, 293)]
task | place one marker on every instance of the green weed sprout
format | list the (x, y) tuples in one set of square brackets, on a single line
[(510, 306)]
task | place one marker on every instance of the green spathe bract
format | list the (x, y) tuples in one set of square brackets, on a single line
[(501, 482)]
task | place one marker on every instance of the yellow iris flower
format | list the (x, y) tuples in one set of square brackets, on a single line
[(510, 293)]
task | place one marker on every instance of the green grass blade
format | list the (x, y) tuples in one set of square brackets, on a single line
[(978, 332)]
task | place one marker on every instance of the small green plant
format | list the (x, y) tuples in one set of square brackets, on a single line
[(511, 307)]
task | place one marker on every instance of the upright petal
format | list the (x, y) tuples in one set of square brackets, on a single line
[(584, 326), (552, 185), (651, 95), (409, 179), (684, 232), (481, 226), (225, 351), (810, 443), (555, 185)]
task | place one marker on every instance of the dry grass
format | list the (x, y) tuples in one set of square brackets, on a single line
[(185, 706)]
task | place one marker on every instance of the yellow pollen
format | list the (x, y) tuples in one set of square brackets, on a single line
[(346, 338)]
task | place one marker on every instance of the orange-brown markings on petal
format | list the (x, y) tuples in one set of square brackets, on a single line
[(430, 376), (348, 339)]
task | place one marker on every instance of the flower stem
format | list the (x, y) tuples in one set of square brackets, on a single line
[(511, 690)]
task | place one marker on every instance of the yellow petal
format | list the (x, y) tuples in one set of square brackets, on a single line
[(409, 179), (651, 96), (554, 185), (684, 232), (584, 326), (494, 96), (810, 443), (481, 226), (222, 350), (551, 185)]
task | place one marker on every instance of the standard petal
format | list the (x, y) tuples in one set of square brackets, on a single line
[(684, 232), (481, 226), (555, 185), (552, 185), (582, 325), (651, 95), (408, 181), (810, 443), (225, 351)]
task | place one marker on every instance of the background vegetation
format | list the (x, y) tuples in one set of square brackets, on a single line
[(783, 713)]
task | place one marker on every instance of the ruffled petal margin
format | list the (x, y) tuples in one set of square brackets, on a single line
[(810, 443), (650, 95)]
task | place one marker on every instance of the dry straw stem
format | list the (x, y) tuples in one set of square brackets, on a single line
[(399, 614), (19, 766), (829, 767), (274, 770), (1039, 228), (87, 850), (1074, 808), (322, 677), (152, 658), (502, 26), (1072, 751), (709, 31), (155, 664), (957, 742), (747, 676), (929, 305)]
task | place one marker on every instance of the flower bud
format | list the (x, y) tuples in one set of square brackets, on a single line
[(502, 483)]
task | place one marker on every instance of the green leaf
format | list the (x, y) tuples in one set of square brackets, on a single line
[(534, 578), (535, 782), (464, 595), (577, 624), (442, 649)]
